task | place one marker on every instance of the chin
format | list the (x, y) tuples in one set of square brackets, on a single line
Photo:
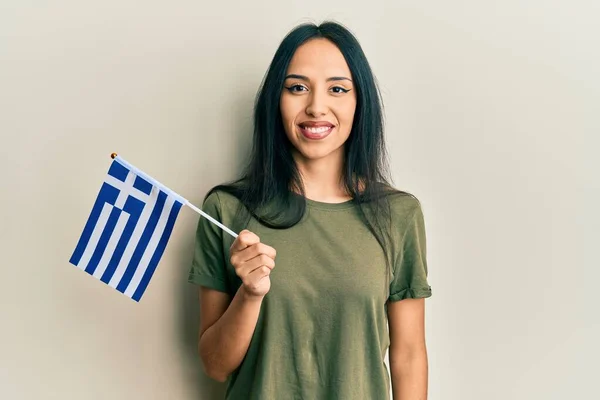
[(314, 154)]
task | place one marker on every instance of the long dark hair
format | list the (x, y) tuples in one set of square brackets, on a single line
[(271, 188)]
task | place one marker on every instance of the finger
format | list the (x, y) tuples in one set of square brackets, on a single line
[(244, 240), (249, 267), (259, 273), (259, 261), (267, 250), (252, 251)]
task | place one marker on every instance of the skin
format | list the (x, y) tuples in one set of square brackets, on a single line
[(326, 93), (318, 87)]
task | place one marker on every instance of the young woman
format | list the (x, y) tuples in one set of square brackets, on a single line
[(298, 306)]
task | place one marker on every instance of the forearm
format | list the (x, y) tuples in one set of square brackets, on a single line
[(409, 373), (223, 346)]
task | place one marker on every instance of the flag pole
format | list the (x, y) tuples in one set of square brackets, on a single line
[(199, 211), (211, 219)]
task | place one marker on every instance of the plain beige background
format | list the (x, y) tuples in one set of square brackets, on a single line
[(492, 121)]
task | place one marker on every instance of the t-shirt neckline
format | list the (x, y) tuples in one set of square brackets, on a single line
[(329, 206)]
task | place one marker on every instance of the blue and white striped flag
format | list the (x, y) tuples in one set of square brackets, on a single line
[(127, 230)]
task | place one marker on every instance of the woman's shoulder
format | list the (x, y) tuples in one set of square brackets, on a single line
[(404, 205), (218, 198)]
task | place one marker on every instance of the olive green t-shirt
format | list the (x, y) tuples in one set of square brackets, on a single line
[(322, 332)]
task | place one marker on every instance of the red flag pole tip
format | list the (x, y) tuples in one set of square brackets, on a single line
[(113, 155)]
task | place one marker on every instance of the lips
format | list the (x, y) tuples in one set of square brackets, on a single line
[(315, 130)]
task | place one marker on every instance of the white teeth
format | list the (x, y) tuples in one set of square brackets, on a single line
[(318, 130)]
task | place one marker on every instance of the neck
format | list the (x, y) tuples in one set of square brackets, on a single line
[(322, 178)]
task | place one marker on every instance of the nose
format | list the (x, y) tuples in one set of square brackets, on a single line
[(317, 106)]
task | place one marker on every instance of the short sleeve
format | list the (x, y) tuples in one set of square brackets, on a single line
[(410, 272), (208, 265)]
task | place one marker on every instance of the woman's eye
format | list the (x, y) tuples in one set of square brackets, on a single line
[(339, 89), (296, 88)]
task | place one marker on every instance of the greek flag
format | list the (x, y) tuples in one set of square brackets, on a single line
[(127, 230)]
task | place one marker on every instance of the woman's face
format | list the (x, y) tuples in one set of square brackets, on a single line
[(318, 100)]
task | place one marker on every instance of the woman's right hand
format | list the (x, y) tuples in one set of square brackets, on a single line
[(253, 262)]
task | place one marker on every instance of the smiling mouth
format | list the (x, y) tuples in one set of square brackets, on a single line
[(315, 132)]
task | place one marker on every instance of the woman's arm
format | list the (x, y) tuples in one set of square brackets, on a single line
[(227, 326), (408, 351), (225, 330)]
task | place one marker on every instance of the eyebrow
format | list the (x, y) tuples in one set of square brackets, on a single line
[(304, 78)]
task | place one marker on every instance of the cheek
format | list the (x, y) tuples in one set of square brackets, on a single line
[(346, 114), (288, 110)]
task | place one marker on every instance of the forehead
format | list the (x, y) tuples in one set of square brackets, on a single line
[(319, 58)]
